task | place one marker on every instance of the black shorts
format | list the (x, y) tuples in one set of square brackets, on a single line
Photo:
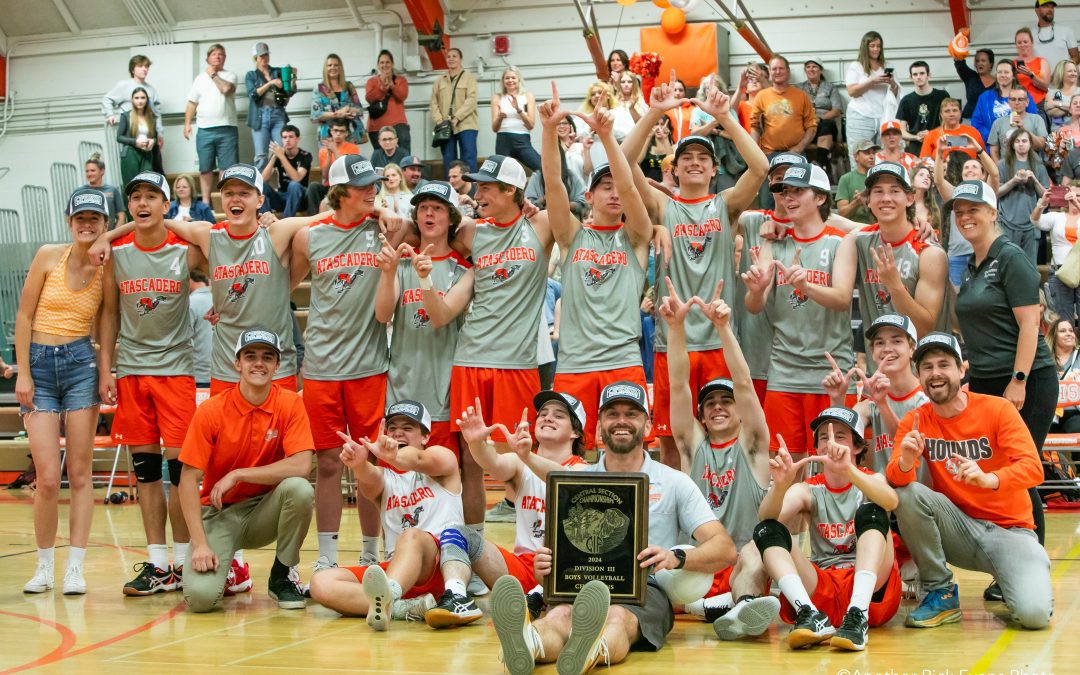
[(826, 128), (655, 618)]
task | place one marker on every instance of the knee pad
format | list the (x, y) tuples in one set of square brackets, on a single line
[(460, 543), (174, 472), (147, 466), (870, 516), (771, 533)]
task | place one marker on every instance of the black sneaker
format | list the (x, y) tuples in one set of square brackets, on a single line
[(852, 633), (150, 580), (812, 627), (993, 593), (178, 578), (452, 610), (714, 613), (286, 592), (535, 601)]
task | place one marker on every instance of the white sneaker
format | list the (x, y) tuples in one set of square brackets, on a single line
[(477, 587), (910, 582), (751, 616), (412, 609), (379, 597), (42, 579), (323, 563), (74, 584), (519, 643), (367, 560)]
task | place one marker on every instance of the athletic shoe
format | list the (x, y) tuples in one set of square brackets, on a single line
[(74, 584), (452, 610), (412, 609), (812, 627), (178, 578), (911, 583), (323, 563), (519, 642), (586, 646), (379, 596), (535, 601), (751, 616), (853, 632), (939, 607), (476, 587), (238, 579), (503, 512), (150, 580), (286, 592), (367, 560), (993, 593), (42, 580)]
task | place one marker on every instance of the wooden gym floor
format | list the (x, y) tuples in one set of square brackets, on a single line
[(105, 631)]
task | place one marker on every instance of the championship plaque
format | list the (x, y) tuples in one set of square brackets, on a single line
[(596, 525)]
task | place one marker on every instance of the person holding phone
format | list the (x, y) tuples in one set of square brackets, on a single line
[(951, 133), (1005, 127), (994, 102), (1032, 71), (1062, 227), (869, 80)]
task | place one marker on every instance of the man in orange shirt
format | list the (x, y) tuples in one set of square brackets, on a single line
[(783, 117), (251, 447), (964, 138), (977, 513)]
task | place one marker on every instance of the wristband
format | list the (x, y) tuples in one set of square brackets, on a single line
[(425, 283)]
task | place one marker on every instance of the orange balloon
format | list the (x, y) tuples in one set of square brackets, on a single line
[(662, 4), (673, 21), (626, 3)]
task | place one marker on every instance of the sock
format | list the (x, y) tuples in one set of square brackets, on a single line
[(328, 546), (159, 555), (538, 588), (239, 557), (792, 588), (697, 608), (279, 570), (179, 553), (457, 586), (371, 547), (863, 590), (479, 527), (395, 590), (46, 555), (76, 556)]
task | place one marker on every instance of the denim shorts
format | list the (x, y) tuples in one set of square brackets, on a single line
[(217, 148), (65, 376)]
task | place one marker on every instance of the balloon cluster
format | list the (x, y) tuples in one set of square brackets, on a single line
[(673, 19)]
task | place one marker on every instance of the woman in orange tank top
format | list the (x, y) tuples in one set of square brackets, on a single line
[(58, 378)]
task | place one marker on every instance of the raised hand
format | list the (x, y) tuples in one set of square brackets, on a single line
[(876, 387), (520, 442), (422, 262), (837, 382), (913, 444), (885, 263), (471, 423), (663, 96), (758, 277), (352, 453), (836, 452), (387, 258), (383, 447), (550, 111), (716, 103), (782, 470), (716, 309), (794, 275), (601, 121), (672, 309)]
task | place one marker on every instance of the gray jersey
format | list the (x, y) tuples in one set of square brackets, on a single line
[(602, 282), (344, 341), (881, 446), (502, 325), (251, 288), (155, 335), (723, 474), (832, 523), (755, 332), (703, 244), (874, 298), (803, 330), (421, 356)]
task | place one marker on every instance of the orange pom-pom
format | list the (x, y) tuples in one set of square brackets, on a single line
[(958, 47), (662, 4), (673, 21)]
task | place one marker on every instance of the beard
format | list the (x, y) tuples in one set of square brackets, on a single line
[(951, 391), (621, 446)]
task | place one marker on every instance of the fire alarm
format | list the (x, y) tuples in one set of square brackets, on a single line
[(500, 45)]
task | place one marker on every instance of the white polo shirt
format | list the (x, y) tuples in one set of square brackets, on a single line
[(214, 108)]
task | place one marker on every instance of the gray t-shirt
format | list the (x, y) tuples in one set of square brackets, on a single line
[(1000, 132), (754, 330), (1015, 206), (199, 302)]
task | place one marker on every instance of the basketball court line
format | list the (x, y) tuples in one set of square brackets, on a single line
[(197, 636), (295, 643)]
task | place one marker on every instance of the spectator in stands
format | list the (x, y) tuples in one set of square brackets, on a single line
[(753, 78), (118, 99), (892, 145), (329, 150), (1005, 127), (186, 205), (386, 92), (1053, 42), (575, 188), (926, 197), (394, 195), (828, 107), (292, 165), (851, 197), (335, 99), (137, 136), (200, 301), (389, 150), (1061, 338), (783, 117), (868, 85), (951, 128), (1063, 86), (513, 115), (919, 111), (211, 105), (618, 63), (1032, 71), (1024, 179), (994, 102), (1062, 227), (95, 178), (573, 148), (58, 381), (660, 145), (453, 99), (976, 81), (630, 104), (680, 116), (413, 169), (267, 98), (1070, 130), (599, 93), (983, 168), (466, 189)]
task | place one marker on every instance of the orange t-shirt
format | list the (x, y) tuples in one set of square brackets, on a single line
[(930, 143), (784, 118), (345, 148), (745, 113), (229, 433), (991, 431), (680, 121), (1034, 64)]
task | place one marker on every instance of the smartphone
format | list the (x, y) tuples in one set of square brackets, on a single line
[(955, 142), (889, 72)]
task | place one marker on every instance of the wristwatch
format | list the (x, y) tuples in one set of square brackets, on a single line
[(1019, 376), (680, 555)]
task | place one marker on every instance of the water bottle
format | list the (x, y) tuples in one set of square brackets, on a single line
[(288, 79)]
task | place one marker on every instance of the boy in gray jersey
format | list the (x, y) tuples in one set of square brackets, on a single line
[(850, 578), (726, 452), (700, 228)]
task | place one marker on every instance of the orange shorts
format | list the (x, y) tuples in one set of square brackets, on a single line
[(790, 414), (704, 366), (586, 387), (520, 567), (503, 394), (218, 386), (833, 594), (760, 386), (152, 409), (340, 405), (442, 435), (433, 584), (721, 582)]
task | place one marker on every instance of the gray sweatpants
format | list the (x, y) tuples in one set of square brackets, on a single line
[(281, 515), (937, 532)]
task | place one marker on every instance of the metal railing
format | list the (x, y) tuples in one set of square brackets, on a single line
[(35, 203), (65, 178)]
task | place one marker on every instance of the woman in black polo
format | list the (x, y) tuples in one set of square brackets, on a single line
[(998, 312)]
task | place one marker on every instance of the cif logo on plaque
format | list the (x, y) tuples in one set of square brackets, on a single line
[(599, 525)]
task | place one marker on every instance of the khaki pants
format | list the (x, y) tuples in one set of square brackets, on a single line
[(282, 515)]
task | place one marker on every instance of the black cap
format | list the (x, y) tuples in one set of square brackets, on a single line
[(785, 159), (803, 175), (414, 410), (439, 190), (893, 169), (499, 169), (719, 384), (898, 321), (257, 336), (577, 410), (686, 141), (937, 340), (245, 173), (630, 392), (151, 178), (88, 199), (598, 173), (845, 416), (352, 170), (411, 160)]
